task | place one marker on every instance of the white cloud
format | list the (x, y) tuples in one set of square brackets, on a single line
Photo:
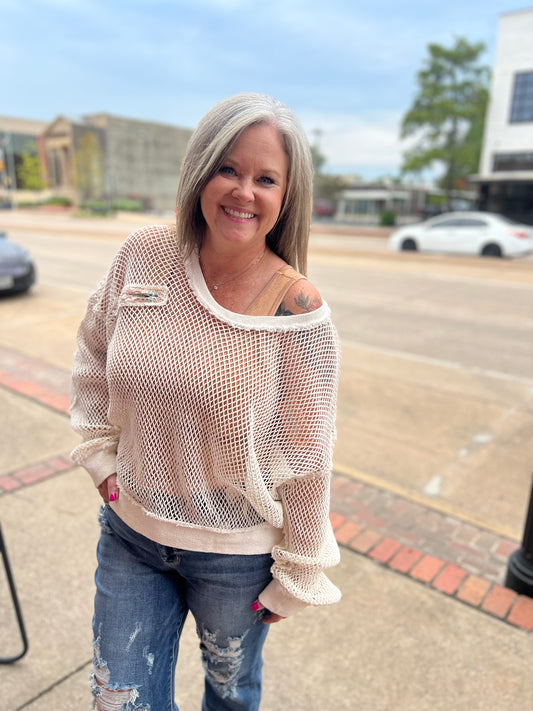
[(354, 140)]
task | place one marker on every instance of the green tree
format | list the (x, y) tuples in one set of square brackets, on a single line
[(89, 167), (328, 187), (318, 159), (28, 171), (448, 113), (325, 186)]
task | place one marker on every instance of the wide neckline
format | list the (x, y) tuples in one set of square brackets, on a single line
[(277, 323)]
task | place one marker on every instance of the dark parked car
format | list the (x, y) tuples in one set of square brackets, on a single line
[(324, 208), (17, 271)]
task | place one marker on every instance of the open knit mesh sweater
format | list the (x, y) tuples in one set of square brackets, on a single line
[(219, 425)]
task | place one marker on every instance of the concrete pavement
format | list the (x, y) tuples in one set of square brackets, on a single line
[(392, 643)]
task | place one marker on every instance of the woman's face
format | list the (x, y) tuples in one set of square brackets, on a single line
[(241, 203)]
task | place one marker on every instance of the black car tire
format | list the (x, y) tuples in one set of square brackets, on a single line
[(492, 250), (409, 245)]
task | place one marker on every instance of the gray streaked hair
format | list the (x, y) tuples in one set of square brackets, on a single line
[(206, 152)]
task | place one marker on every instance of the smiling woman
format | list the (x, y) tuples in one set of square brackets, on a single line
[(205, 390)]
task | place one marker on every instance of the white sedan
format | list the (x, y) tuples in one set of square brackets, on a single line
[(475, 233)]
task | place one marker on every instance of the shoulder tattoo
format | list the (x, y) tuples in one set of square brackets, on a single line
[(306, 303), (283, 310), (303, 302)]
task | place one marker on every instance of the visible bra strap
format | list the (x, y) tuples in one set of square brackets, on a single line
[(268, 300)]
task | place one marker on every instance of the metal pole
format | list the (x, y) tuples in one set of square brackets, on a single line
[(18, 612), (520, 566)]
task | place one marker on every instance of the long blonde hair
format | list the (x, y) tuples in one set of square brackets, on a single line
[(208, 147)]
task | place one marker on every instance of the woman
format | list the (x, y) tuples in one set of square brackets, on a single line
[(204, 387)]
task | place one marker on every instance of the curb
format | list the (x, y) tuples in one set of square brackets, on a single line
[(445, 577)]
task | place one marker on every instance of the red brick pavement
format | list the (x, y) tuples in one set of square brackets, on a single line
[(35, 379), (452, 557)]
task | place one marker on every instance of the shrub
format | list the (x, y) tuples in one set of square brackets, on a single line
[(62, 201), (127, 205), (95, 207), (387, 218)]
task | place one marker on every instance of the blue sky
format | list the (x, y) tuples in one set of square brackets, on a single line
[(347, 67)]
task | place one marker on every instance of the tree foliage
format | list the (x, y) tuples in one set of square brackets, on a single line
[(89, 166), (28, 171), (318, 159), (325, 186), (328, 187), (448, 113)]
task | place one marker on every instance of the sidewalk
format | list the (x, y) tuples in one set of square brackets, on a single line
[(424, 623)]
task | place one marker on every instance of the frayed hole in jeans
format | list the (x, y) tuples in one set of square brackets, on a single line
[(222, 664)]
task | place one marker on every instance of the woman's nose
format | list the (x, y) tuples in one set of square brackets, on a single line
[(243, 190)]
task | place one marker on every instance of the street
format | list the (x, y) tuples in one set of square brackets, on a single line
[(436, 395)]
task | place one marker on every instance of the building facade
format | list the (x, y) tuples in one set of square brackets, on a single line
[(20, 143), (105, 157), (364, 203), (141, 159), (75, 159), (98, 157), (505, 176)]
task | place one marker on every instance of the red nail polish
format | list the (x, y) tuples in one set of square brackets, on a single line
[(256, 606), (113, 496)]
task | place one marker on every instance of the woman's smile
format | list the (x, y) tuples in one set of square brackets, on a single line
[(232, 212)]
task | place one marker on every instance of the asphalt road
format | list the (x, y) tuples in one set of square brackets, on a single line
[(436, 396)]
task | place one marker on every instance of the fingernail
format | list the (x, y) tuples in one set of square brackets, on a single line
[(256, 606), (113, 496)]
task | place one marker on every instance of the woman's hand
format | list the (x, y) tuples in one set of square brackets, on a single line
[(269, 619), (108, 489)]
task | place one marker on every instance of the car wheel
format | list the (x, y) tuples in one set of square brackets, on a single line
[(491, 250), (409, 245)]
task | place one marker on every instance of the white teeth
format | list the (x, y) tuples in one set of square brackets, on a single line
[(241, 215)]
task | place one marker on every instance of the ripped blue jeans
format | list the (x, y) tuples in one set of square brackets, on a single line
[(144, 592)]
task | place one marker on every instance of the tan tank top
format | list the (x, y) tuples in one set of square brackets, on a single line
[(267, 302)]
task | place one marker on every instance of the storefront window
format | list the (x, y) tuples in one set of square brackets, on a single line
[(522, 106), (512, 161)]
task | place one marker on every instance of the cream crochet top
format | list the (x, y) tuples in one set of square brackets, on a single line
[(219, 425)]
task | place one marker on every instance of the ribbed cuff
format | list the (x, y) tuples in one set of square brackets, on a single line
[(276, 599), (100, 465)]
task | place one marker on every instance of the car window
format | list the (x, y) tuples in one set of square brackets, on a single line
[(472, 222), (450, 222)]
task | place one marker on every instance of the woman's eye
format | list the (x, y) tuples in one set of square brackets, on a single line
[(227, 170), (266, 180)]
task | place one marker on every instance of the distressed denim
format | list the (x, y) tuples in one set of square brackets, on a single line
[(144, 592)]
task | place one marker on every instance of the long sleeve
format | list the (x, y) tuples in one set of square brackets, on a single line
[(90, 396), (308, 547), (307, 417)]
